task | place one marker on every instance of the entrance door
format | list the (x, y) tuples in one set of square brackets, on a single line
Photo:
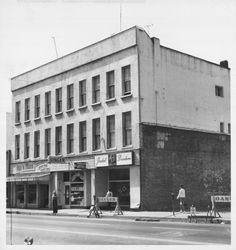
[(67, 194), (43, 195)]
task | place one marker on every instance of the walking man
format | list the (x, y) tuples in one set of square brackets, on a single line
[(181, 197)]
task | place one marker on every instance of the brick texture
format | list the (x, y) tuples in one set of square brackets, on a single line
[(170, 157)]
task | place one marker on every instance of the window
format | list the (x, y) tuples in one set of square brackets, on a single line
[(96, 89), (222, 129), (37, 106), (58, 140), (96, 134), (17, 114), (70, 96), (110, 84), (27, 109), (219, 91), (32, 188), (229, 128), (20, 193), (83, 138), (17, 147), (36, 144), (70, 138), (48, 103), (126, 83), (47, 142), (58, 100), (111, 131), (27, 145), (127, 130), (82, 93)]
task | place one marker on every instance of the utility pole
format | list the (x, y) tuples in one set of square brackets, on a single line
[(54, 40)]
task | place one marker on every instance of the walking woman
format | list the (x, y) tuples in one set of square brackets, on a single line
[(54, 202)]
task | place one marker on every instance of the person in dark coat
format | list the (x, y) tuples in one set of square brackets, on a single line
[(54, 202)]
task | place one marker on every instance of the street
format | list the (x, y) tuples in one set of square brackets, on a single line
[(60, 230)]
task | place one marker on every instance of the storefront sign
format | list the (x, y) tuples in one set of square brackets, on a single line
[(79, 165), (23, 168), (107, 199), (222, 198), (59, 167), (124, 158), (56, 159), (42, 168), (101, 160)]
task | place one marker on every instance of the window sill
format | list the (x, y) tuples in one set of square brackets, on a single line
[(17, 123), (127, 147), (37, 119), (58, 113), (83, 153), (47, 116), (70, 154), (111, 100), (83, 107), (111, 149), (126, 96), (97, 151), (70, 110), (96, 104), (27, 121)]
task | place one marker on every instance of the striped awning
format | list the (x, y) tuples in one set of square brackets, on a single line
[(32, 177)]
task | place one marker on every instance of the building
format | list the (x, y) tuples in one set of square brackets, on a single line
[(125, 113)]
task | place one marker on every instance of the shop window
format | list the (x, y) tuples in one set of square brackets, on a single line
[(32, 193), (20, 194), (77, 188)]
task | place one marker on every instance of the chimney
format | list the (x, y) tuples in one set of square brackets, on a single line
[(224, 64)]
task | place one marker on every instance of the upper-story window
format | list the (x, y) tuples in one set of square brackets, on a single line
[(127, 129), (36, 144), (17, 147), (229, 128), (27, 145), (82, 93), (47, 142), (82, 136), (27, 109), (110, 77), (96, 134), (58, 145), (48, 103), (70, 138), (126, 81), (17, 112), (37, 106), (58, 100), (96, 89), (70, 96), (219, 91), (111, 131), (222, 127)]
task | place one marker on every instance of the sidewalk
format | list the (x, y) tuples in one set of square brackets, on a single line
[(134, 215)]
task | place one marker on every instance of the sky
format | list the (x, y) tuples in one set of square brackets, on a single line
[(203, 28)]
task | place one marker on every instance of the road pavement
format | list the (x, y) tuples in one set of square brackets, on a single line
[(61, 230)]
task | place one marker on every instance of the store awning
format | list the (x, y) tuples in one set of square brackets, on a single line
[(33, 177)]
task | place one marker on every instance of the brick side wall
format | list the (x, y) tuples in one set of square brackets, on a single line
[(170, 157)]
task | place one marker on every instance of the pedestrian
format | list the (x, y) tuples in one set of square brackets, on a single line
[(54, 202), (181, 197), (109, 194)]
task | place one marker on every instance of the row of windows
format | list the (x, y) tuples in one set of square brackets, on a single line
[(110, 86), (96, 137)]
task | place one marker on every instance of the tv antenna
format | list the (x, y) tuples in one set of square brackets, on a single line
[(54, 40)]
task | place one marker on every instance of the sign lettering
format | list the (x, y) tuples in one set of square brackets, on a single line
[(101, 160), (124, 158)]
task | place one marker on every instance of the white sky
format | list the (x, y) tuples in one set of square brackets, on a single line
[(203, 28)]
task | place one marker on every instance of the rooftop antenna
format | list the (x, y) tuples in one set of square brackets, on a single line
[(120, 15), (148, 26), (54, 40)]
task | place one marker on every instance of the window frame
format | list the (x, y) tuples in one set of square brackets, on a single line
[(126, 83), (17, 147), (37, 106), (110, 84), (127, 128), (222, 127), (58, 100), (17, 112), (82, 93), (111, 128), (26, 145), (27, 109), (96, 136), (58, 140), (70, 138), (36, 144), (96, 89), (82, 136), (219, 91), (70, 96), (47, 145), (48, 103)]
